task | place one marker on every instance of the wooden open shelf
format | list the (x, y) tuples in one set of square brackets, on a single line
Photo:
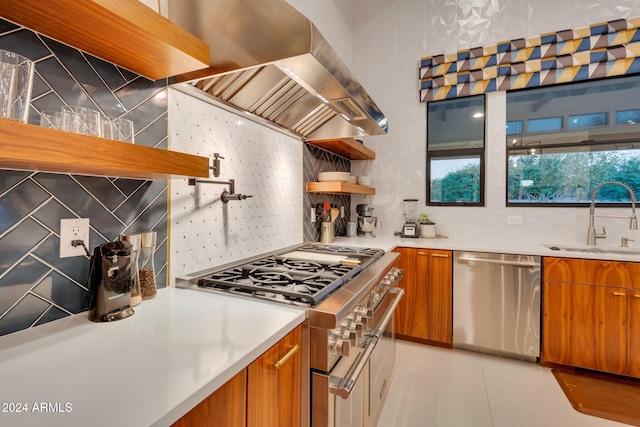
[(123, 32), (339, 187), (346, 147), (30, 147)]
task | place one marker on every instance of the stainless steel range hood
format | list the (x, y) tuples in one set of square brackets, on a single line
[(268, 59)]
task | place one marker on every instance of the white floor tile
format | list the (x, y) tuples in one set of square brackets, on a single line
[(458, 388)]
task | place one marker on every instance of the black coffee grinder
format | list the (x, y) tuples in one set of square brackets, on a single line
[(110, 280)]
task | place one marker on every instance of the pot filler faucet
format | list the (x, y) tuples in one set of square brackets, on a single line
[(226, 196), (633, 220)]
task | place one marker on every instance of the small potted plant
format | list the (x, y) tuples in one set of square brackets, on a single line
[(427, 227)]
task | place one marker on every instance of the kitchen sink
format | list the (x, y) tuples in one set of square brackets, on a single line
[(594, 249)]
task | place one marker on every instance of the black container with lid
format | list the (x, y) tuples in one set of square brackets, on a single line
[(110, 282)]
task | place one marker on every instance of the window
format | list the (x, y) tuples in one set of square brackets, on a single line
[(628, 117), (573, 146), (544, 125), (578, 121), (455, 151), (514, 128)]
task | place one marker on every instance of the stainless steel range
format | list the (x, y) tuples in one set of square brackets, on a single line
[(350, 297), (304, 276)]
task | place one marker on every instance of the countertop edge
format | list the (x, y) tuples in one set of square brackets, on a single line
[(390, 242)]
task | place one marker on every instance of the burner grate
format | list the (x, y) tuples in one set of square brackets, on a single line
[(343, 250), (295, 281)]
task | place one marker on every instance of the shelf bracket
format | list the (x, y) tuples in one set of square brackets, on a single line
[(216, 165)]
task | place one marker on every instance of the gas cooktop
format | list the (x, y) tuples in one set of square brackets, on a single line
[(344, 250), (299, 277)]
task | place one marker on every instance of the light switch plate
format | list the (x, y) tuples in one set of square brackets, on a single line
[(70, 230), (514, 220)]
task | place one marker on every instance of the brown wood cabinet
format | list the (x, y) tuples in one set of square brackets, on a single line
[(591, 314), (338, 187), (273, 395), (225, 407), (633, 318), (124, 32), (266, 393), (425, 314), (25, 146), (346, 147)]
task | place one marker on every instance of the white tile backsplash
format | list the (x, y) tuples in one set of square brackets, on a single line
[(428, 27), (265, 164)]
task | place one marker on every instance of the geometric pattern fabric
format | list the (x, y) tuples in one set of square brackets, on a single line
[(601, 50)]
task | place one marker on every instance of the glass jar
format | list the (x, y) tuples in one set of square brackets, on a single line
[(136, 293), (146, 271)]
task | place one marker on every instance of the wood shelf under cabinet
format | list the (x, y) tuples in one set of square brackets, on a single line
[(24, 146), (123, 32), (346, 147), (339, 187)]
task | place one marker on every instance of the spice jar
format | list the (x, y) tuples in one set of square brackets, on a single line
[(136, 293), (146, 271)]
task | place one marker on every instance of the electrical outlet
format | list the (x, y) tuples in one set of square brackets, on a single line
[(70, 230), (313, 214), (514, 220)]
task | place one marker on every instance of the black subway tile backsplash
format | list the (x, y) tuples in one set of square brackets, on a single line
[(36, 285), (18, 202), (17, 282), (25, 313)]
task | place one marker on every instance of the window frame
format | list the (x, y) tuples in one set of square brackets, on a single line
[(458, 152), (588, 145)]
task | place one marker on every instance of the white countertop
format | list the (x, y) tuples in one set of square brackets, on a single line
[(148, 369), (389, 242), (153, 367)]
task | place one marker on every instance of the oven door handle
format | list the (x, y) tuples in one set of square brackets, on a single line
[(342, 386)]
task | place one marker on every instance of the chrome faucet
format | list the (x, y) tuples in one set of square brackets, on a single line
[(633, 220)]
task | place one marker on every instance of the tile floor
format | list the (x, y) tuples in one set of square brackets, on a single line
[(458, 388)]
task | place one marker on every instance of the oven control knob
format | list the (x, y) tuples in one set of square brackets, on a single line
[(355, 327), (359, 327), (354, 318), (366, 313), (351, 337), (369, 303), (339, 347), (344, 348), (365, 324), (376, 295)]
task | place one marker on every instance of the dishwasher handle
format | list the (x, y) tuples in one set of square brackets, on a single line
[(499, 261)]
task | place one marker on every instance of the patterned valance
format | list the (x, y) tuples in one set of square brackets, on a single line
[(601, 50)]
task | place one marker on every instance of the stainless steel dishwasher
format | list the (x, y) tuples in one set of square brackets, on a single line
[(496, 304)]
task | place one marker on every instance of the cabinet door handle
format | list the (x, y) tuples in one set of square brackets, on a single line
[(439, 256), (422, 253), (637, 296), (619, 294), (286, 357)]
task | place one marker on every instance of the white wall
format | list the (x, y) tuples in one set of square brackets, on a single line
[(390, 37), (333, 18), (382, 42), (265, 163)]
